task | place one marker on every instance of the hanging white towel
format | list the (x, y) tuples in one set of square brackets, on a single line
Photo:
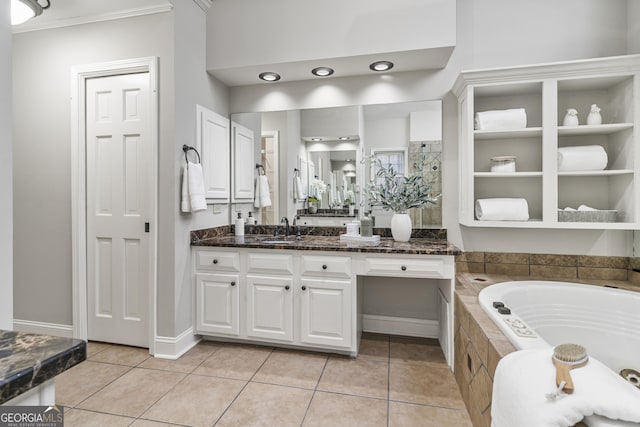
[(196, 187), (582, 158), (185, 203), (523, 379), (502, 209), (262, 198), (298, 194)]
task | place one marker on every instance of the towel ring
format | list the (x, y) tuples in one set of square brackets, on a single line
[(186, 149), (260, 168)]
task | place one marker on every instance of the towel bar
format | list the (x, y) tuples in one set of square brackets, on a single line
[(187, 148)]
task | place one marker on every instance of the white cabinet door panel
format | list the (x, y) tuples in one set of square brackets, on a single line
[(213, 144), (326, 312), (243, 163), (217, 309), (270, 307)]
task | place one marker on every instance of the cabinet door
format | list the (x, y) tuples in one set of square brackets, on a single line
[(217, 304), (213, 143), (243, 162), (270, 307), (326, 313)]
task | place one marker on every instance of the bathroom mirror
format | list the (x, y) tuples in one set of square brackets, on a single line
[(316, 142)]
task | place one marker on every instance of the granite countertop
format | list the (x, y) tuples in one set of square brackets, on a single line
[(416, 246), (28, 360)]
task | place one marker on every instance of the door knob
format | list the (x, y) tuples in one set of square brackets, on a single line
[(324, 266), (287, 287), (403, 268), (215, 261), (233, 283), (304, 288)]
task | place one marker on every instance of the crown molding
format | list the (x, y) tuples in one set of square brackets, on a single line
[(204, 4), (59, 23)]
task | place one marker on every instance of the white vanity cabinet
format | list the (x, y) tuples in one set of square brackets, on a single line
[(269, 296), (217, 292), (304, 298), (546, 92), (326, 300)]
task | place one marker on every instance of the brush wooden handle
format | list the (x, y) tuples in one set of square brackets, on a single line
[(563, 374)]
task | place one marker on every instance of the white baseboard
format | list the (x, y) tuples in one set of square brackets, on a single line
[(43, 328), (400, 326), (174, 347)]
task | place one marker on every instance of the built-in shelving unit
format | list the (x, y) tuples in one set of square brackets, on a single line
[(546, 92)]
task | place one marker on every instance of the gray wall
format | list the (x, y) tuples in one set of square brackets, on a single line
[(6, 177), (43, 201), (492, 33), (192, 86), (633, 23)]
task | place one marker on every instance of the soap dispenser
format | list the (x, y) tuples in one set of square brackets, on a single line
[(366, 226), (239, 225), (250, 219)]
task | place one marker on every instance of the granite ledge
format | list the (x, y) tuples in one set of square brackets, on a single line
[(28, 360), (415, 246)]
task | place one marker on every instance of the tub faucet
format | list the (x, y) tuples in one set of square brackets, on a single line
[(285, 220)]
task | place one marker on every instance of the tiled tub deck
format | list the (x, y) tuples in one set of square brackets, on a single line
[(479, 344)]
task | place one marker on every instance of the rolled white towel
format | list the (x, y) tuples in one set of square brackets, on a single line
[(586, 208), (502, 209), (582, 158), (514, 118)]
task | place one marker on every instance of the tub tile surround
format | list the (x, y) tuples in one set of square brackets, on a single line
[(549, 266), (479, 344)]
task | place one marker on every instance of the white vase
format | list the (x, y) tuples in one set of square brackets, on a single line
[(401, 227), (594, 117)]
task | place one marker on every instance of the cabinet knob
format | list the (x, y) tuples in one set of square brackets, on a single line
[(324, 266), (403, 268), (215, 261), (233, 283), (304, 288), (287, 287)]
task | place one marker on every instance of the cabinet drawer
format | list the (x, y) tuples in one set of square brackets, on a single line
[(326, 266), (218, 261), (406, 267), (269, 263)]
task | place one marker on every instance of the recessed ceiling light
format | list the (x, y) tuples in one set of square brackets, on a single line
[(343, 138), (316, 139), (322, 71), (381, 66), (269, 76)]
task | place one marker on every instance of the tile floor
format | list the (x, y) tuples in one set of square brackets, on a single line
[(395, 381)]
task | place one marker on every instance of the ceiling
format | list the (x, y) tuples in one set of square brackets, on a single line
[(69, 12), (72, 12)]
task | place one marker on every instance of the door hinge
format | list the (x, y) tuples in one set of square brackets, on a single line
[(146, 227)]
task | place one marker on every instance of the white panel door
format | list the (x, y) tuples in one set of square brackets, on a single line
[(213, 145), (243, 163), (325, 312), (217, 309), (119, 181), (270, 307)]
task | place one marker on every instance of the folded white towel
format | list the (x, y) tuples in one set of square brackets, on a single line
[(582, 158), (515, 118), (298, 193), (502, 209), (524, 378), (262, 198)]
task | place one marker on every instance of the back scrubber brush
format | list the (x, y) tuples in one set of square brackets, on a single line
[(565, 358)]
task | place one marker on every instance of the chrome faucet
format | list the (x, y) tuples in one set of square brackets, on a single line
[(285, 220)]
